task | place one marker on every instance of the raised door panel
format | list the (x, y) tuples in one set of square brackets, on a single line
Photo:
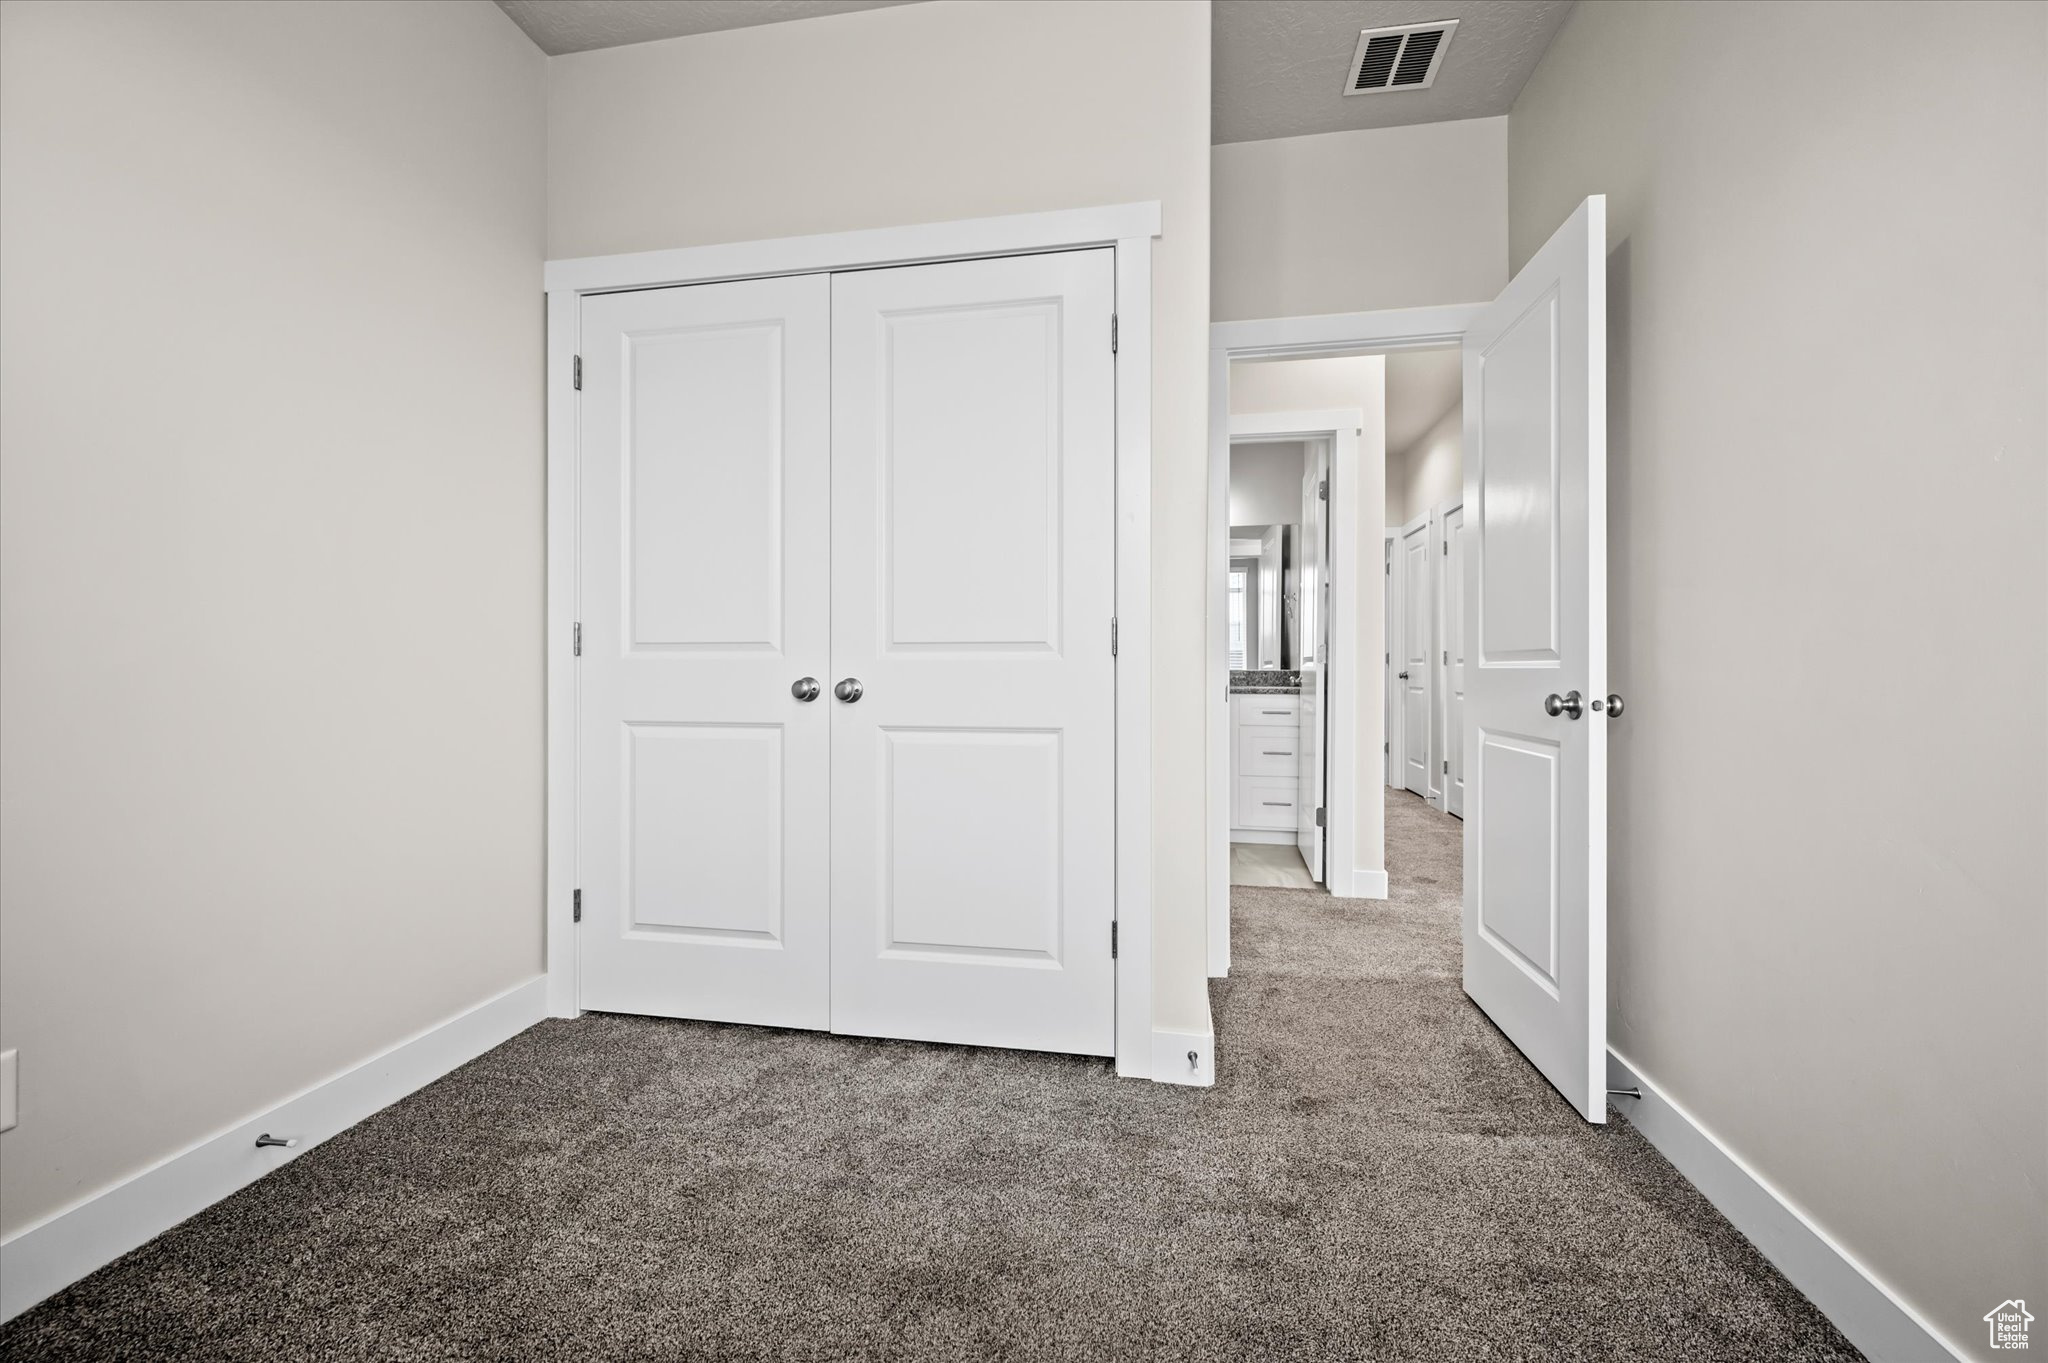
[(704, 581), (973, 578)]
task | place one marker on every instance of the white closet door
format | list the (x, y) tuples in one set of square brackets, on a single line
[(973, 778), (1413, 655), (1535, 919), (1452, 650), (705, 594)]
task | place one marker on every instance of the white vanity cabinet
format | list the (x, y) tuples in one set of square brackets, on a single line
[(1265, 766)]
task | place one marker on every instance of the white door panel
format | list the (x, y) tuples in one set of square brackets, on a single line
[(1451, 648), (704, 586), (1535, 626), (973, 585), (1413, 654)]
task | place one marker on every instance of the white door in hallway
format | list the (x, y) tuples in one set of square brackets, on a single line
[(1451, 649), (705, 587), (1535, 911), (1413, 652), (973, 775), (1312, 584)]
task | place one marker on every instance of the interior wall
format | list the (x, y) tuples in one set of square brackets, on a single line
[(1319, 385), (1828, 277), (270, 556), (1265, 482), (748, 134), (1430, 472), (1355, 221)]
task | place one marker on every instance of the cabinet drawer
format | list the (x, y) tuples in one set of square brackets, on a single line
[(1266, 801), (1268, 710), (1268, 750)]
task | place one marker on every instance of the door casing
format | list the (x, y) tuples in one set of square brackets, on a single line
[(1129, 229), (1343, 333)]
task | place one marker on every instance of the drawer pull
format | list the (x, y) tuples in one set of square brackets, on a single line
[(1279, 804), (1276, 712), (1270, 753)]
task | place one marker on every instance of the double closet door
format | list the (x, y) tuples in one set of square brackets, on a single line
[(846, 693)]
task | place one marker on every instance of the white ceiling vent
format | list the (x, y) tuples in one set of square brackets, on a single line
[(1403, 58)]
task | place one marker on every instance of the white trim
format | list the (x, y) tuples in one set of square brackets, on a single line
[(1129, 229), (1367, 882), (65, 1246), (1276, 338), (1134, 652), (1883, 1327), (565, 312), (1014, 234), (1170, 1047), (1270, 837)]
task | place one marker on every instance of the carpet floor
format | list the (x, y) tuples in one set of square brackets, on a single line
[(1376, 1175)]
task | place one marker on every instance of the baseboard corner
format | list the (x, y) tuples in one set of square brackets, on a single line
[(1366, 883), (42, 1259), (1184, 1056), (1868, 1313)]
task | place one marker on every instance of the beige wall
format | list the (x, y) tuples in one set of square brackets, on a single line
[(1429, 472), (1828, 228), (270, 556), (747, 134), (1319, 385), (1265, 483), (1353, 221)]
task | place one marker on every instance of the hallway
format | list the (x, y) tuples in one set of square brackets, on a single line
[(1377, 1174)]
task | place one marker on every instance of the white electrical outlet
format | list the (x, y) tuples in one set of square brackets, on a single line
[(10, 1107)]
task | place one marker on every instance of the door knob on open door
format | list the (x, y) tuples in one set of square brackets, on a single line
[(1613, 707), (1569, 705), (849, 690), (805, 688)]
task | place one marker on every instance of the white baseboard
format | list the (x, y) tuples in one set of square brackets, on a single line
[(59, 1250), (1170, 1063), (1270, 837), (1862, 1308), (1364, 884)]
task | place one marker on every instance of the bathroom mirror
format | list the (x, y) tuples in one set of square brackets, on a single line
[(1265, 597)]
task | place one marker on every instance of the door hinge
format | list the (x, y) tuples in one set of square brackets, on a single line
[(576, 373), (576, 640), (1319, 816), (1390, 567), (1447, 766), (1112, 939), (1387, 747), (1447, 547), (1112, 333), (1323, 490), (1112, 636), (1447, 657), (576, 911)]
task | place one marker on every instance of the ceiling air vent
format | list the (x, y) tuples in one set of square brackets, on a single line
[(1403, 58)]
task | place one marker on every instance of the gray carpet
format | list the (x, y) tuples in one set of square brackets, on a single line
[(1376, 1175)]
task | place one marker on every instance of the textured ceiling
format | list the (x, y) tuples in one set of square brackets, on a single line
[(1280, 65), (559, 26), (1421, 386)]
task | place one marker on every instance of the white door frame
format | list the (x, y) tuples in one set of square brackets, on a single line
[(1426, 525), (1289, 338), (1129, 229), (1440, 671)]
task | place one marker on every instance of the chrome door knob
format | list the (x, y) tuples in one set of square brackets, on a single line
[(805, 688), (1404, 676), (1567, 705), (1613, 707), (849, 690)]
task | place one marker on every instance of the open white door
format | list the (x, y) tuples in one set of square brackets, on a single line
[(1313, 584), (1535, 916), (1451, 611), (1413, 654)]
